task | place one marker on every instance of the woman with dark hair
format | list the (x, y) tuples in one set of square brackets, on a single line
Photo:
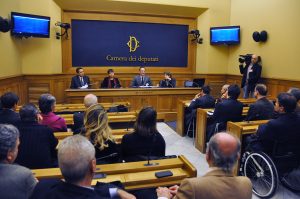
[(47, 106), (96, 129), (145, 141), (168, 82), (111, 81)]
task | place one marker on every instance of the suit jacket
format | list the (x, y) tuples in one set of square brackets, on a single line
[(134, 146), (286, 128), (215, 184), (168, 83), (254, 76), (58, 189), (8, 116), (75, 82), (78, 122), (136, 82), (206, 101), (37, 148), (262, 109), (228, 110), (115, 83)]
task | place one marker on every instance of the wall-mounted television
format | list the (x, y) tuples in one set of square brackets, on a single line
[(28, 25), (225, 35)]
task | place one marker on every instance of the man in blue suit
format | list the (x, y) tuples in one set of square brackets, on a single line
[(141, 79), (80, 80)]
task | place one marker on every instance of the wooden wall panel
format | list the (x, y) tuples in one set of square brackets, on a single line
[(14, 84)]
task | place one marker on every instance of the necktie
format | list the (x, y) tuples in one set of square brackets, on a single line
[(142, 80), (81, 81)]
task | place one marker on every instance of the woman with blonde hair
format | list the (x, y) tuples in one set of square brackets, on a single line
[(96, 129)]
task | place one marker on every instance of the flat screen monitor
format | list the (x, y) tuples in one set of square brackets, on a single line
[(225, 35), (28, 25)]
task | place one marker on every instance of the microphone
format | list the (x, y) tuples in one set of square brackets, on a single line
[(108, 156), (196, 84), (149, 154)]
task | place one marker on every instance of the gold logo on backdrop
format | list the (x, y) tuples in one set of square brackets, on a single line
[(133, 44)]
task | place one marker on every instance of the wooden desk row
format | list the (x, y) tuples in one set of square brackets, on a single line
[(80, 107), (135, 175), (112, 117), (117, 134)]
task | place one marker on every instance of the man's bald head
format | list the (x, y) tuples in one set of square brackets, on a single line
[(89, 100), (254, 59), (223, 151)]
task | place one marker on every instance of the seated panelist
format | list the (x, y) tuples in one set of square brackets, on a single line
[(141, 79), (110, 81), (168, 81), (80, 80)]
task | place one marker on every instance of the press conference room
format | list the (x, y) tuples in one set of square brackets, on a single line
[(135, 79)]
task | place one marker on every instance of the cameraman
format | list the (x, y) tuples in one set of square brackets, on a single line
[(251, 74)]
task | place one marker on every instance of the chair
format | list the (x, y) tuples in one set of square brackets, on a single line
[(265, 171), (199, 82)]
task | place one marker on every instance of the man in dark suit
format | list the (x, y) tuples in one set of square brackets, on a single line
[(263, 108), (9, 103), (296, 93), (219, 182), (80, 80), (141, 79), (37, 148), (89, 100), (285, 128), (76, 157), (251, 75), (229, 109), (201, 100)]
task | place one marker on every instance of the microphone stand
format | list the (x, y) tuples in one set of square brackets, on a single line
[(148, 156)]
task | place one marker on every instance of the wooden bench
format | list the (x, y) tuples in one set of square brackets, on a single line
[(117, 134), (239, 129), (135, 175), (112, 117)]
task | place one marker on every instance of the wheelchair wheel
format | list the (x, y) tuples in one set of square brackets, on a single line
[(260, 169)]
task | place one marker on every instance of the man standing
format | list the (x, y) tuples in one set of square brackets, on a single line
[(222, 153), (251, 75), (141, 79), (80, 80), (262, 109)]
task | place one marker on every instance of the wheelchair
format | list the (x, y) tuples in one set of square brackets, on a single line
[(265, 170)]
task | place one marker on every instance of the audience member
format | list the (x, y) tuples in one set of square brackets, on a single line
[(229, 109), (38, 145), (80, 80), (168, 81), (76, 158), (145, 141), (47, 106), (96, 129), (16, 182), (296, 93), (285, 128), (263, 108), (141, 79), (89, 100), (222, 153), (9, 102), (251, 75), (201, 100), (110, 81), (223, 93)]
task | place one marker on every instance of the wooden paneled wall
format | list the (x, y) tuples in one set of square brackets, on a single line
[(30, 87)]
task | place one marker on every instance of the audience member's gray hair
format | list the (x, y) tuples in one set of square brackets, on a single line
[(225, 162), (46, 102), (89, 100), (75, 154), (8, 139)]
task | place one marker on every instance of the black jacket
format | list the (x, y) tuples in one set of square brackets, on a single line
[(262, 109), (8, 116), (75, 82), (114, 84), (206, 101), (167, 83), (78, 122), (58, 189), (135, 147), (254, 76), (37, 148)]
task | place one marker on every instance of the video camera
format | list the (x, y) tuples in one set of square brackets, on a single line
[(245, 59)]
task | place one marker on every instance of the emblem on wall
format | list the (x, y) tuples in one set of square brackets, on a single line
[(133, 44)]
